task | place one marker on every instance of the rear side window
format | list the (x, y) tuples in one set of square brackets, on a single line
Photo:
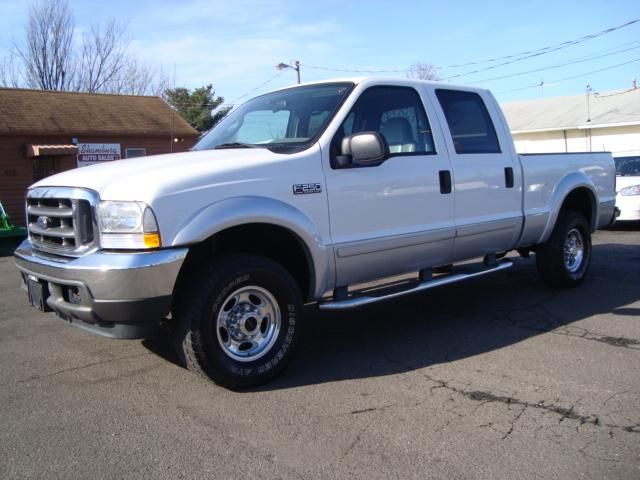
[(469, 122)]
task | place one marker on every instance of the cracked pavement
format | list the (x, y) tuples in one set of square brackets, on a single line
[(496, 378)]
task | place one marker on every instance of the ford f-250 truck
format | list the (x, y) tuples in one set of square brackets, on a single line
[(301, 195)]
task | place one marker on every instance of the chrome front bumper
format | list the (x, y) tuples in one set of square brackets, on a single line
[(119, 295)]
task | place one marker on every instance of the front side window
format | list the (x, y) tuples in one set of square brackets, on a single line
[(285, 121), (469, 122), (397, 114)]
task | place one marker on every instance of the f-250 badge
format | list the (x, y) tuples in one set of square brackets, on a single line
[(305, 188)]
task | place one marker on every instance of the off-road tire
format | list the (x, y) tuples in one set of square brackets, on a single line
[(557, 266), (196, 315)]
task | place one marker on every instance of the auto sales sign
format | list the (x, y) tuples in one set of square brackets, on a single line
[(93, 153)]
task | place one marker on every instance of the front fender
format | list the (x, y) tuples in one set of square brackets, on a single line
[(232, 212), (568, 184)]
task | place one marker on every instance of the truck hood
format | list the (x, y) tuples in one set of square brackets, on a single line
[(148, 178)]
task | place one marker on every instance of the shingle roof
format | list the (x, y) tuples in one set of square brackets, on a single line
[(606, 109), (46, 112)]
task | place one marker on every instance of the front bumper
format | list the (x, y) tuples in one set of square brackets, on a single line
[(118, 295), (629, 206)]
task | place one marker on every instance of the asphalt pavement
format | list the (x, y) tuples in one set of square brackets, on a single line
[(496, 378)]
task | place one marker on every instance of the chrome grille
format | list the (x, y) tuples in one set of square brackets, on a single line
[(61, 221)]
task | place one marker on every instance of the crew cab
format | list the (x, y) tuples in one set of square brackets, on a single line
[(302, 195)]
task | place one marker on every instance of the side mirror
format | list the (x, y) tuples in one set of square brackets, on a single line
[(363, 149)]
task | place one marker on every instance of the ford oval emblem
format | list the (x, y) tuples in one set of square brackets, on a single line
[(43, 222)]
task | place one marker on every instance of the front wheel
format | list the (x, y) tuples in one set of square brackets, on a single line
[(563, 261), (239, 324)]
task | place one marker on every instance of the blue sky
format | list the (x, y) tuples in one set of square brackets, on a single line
[(235, 44)]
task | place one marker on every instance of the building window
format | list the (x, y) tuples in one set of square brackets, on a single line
[(135, 152), (45, 166)]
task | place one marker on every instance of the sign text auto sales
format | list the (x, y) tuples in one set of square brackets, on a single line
[(92, 153)]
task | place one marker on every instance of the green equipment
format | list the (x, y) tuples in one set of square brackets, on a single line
[(10, 236)]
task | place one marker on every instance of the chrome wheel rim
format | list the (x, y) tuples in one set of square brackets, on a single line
[(573, 251), (248, 323)]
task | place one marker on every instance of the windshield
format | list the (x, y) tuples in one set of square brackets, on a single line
[(627, 166), (285, 121)]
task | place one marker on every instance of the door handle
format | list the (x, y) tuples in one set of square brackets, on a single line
[(508, 177), (445, 181)]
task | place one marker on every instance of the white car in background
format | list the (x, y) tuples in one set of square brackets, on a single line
[(628, 187)]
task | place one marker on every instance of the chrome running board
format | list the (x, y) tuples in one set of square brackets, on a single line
[(360, 298)]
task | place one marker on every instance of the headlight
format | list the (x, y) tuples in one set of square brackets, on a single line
[(632, 190), (125, 225)]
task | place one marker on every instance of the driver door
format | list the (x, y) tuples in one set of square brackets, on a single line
[(393, 217)]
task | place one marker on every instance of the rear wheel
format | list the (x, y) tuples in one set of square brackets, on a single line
[(239, 324), (563, 261)]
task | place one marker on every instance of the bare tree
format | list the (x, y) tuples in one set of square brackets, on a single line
[(161, 83), (103, 57), (9, 71), (48, 53), (423, 71), (100, 62), (134, 78)]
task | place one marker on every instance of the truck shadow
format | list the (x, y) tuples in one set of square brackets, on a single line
[(631, 226), (454, 322)]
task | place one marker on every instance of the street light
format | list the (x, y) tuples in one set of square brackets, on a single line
[(282, 66)]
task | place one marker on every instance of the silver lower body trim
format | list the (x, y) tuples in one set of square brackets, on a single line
[(109, 276), (119, 295)]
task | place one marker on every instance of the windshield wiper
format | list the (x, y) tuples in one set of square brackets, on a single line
[(235, 145)]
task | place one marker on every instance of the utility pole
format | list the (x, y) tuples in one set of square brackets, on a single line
[(589, 90), (588, 130), (295, 66)]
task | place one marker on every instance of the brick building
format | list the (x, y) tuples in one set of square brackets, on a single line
[(43, 132)]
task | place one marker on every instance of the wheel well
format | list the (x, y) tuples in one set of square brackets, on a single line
[(271, 241), (580, 200)]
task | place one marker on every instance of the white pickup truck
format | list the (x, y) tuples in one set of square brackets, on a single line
[(303, 195)]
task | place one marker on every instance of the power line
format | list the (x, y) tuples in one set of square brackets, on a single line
[(513, 58), (597, 71), (537, 85), (529, 54), (543, 51), (558, 65), (548, 48), (349, 70), (257, 88), (227, 104)]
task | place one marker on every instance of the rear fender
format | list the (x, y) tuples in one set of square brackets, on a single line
[(568, 184)]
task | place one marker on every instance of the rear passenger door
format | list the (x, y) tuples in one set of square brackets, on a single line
[(486, 177)]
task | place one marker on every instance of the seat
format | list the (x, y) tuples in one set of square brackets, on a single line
[(397, 133)]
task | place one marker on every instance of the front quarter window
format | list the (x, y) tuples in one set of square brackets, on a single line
[(285, 121)]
